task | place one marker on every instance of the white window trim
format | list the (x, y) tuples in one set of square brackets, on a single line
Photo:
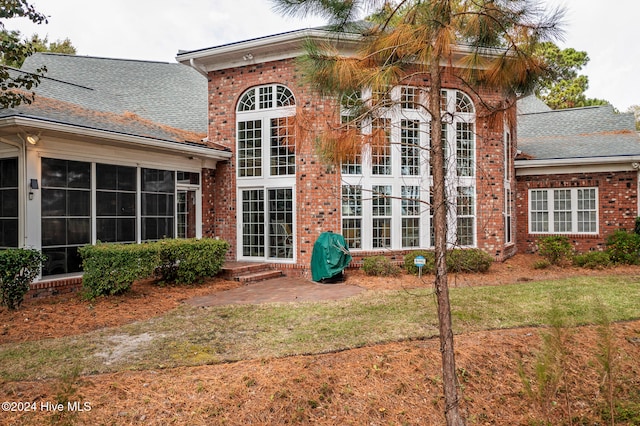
[(367, 180), (266, 181), (574, 212)]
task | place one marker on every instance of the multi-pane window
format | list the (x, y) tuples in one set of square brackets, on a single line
[(283, 157), (409, 97), (410, 147), (352, 163), (381, 213), (265, 97), (116, 203), (157, 204), (266, 132), (280, 223), (250, 148), (563, 211), (381, 147), (9, 202), (266, 165), (465, 232), (65, 213), (587, 210), (410, 204), (465, 151), (253, 235), (352, 215), (539, 211), (395, 167)]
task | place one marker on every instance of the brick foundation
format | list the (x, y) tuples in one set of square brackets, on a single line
[(48, 288)]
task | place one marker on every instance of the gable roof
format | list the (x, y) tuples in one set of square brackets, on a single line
[(576, 133)]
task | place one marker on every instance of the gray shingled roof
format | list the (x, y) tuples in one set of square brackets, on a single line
[(166, 93), (576, 133)]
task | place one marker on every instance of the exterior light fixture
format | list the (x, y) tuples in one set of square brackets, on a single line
[(33, 139), (33, 184)]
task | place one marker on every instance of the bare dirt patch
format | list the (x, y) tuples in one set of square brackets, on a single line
[(396, 383)]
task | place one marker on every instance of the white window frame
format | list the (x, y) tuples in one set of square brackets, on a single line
[(259, 108), (367, 180), (551, 211)]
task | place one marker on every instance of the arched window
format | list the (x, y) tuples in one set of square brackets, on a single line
[(266, 137), (266, 167)]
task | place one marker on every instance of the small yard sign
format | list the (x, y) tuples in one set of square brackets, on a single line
[(419, 261)]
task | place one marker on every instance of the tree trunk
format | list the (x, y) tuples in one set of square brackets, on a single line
[(440, 209)]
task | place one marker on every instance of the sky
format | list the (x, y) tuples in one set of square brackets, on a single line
[(156, 30)]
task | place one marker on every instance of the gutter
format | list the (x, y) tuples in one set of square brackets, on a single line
[(140, 141), (582, 161)]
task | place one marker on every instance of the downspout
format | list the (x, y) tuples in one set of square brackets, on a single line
[(636, 167)]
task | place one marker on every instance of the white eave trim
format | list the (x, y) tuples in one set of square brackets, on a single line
[(282, 46), (122, 138), (568, 165), (264, 49)]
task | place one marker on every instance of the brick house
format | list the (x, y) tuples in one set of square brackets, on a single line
[(577, 174), (132, 151), (275, 184)]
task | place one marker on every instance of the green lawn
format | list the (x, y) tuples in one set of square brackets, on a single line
[(196, 336)]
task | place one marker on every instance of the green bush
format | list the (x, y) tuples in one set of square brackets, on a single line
[(187, 261), (458, 260), (469, 260), (557, 249), (541, 264), (593, 260), (18, 269), (624, 247), (111, 269), (430, 262), (379, 266)]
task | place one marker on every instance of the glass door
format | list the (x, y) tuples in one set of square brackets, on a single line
[(267, 223), (186, 213)]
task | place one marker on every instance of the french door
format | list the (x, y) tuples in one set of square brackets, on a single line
[(267, 224)]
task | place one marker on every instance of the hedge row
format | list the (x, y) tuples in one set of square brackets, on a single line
[(112, 268)]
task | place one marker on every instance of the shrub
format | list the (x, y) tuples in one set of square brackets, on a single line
[(111, 269), (623, 247), (556, 249), (430, 262), (187, 261), (18, 269), (379, 266), (593, 260), (469, 260), (458, 260), (541, 264)]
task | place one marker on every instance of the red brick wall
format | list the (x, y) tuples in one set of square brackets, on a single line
[(617, 200), (317, 184)]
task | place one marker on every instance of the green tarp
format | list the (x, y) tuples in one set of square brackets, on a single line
[(330, 256)]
